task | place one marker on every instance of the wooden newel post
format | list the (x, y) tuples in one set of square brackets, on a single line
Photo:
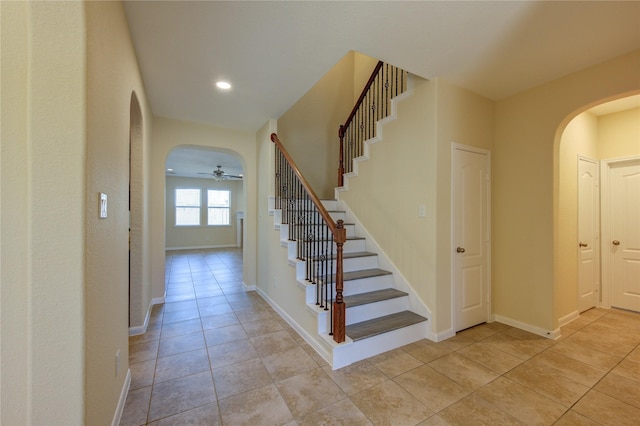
[(339, 308), (341, 160)]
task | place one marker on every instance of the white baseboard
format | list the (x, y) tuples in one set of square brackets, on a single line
[(443, 335), (549, 334), (234, 245), (248, 287), (141, 329), (568, 318), (123, 399)]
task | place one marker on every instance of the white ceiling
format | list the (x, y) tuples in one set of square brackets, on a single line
[(274, 51)]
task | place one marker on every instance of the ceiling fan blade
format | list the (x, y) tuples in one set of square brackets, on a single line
[(202, 173)]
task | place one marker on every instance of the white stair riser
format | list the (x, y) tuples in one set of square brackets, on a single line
[(366, 312), (366, 348), (369, 311), (355, 286), (349, 265), (351, 246), (320, 230), (330, 204), (336, 216)]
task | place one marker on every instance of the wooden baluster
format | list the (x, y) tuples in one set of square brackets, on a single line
[(339, 308)]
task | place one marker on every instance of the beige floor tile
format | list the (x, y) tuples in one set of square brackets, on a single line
[(204, 415), (262, 406), (586, 354), (288, 363), (629, 369), (179, 395), (143, 351), (341, 413), (522, 349), (388, 404), (177, 316), (142, 374), (608, 344), (150, 334), (569, 367), (458, 342), (473, 410), (605, 410), (179, 344), (254, 314), (136, 407), (571, 418), (180, 306), (434, 420), (520, 402), (464, 371), (222, 308), (479, 332), (492, 358), (259, 328), (230, 353), (433, 389), (548, 383), (627, 338), (634, 355), (356, 377), (272, 343), (240, 377), (218, 336), (396, 362), (426, 351), (308, 392), (217, 321), (621, 388), (180, 328), (180, 365)]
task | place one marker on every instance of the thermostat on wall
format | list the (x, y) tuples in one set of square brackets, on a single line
[(103, 205)]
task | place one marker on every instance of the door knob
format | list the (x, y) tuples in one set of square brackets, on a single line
[(460, 250), (581, 244), (615, 242)]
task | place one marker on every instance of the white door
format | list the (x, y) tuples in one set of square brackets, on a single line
[(588, 226), (624, 234), (471, 235)]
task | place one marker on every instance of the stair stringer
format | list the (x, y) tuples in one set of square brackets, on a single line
[(377, 138), (416, 303)]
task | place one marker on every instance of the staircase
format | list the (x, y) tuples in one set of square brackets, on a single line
[(378, 315)]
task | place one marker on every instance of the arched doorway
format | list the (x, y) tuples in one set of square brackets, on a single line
[(588, 137)]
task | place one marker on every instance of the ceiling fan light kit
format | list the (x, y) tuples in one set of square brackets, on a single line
[(220, 175)]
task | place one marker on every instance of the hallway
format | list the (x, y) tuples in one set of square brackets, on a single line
[(217, 355)]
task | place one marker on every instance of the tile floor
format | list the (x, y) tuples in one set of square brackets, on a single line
[(217, 355)]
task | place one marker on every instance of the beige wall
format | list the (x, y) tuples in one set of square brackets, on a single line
[(604, 137), (619, 134), (309, 129), (112, 77), (415, 152), (363, 66), (179, 237), (525, 188), (169, 134), (42, 178)]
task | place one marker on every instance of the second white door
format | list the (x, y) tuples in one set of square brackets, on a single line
[(588, 228), (471, 235)]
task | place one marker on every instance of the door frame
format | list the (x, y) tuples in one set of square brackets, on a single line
[(605, 262), (454, 147), (598, 245)]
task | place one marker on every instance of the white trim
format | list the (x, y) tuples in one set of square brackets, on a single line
[(605, 262), (568, 318), (549, 334), (443, 335), (202, 247), (141, 329), (248, 287), (117, 416), (461, 147)]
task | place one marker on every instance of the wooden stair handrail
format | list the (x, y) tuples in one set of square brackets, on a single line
[(360, 99), (339, 237)]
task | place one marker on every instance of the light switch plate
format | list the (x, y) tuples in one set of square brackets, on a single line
[(103, 205)]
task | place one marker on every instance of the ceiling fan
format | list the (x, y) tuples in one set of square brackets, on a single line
[(220, 175)]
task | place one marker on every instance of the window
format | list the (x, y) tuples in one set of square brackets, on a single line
[(218, 206), (187, 206)]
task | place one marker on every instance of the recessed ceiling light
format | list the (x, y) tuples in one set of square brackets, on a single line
[(223, 85), (169, 170)]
